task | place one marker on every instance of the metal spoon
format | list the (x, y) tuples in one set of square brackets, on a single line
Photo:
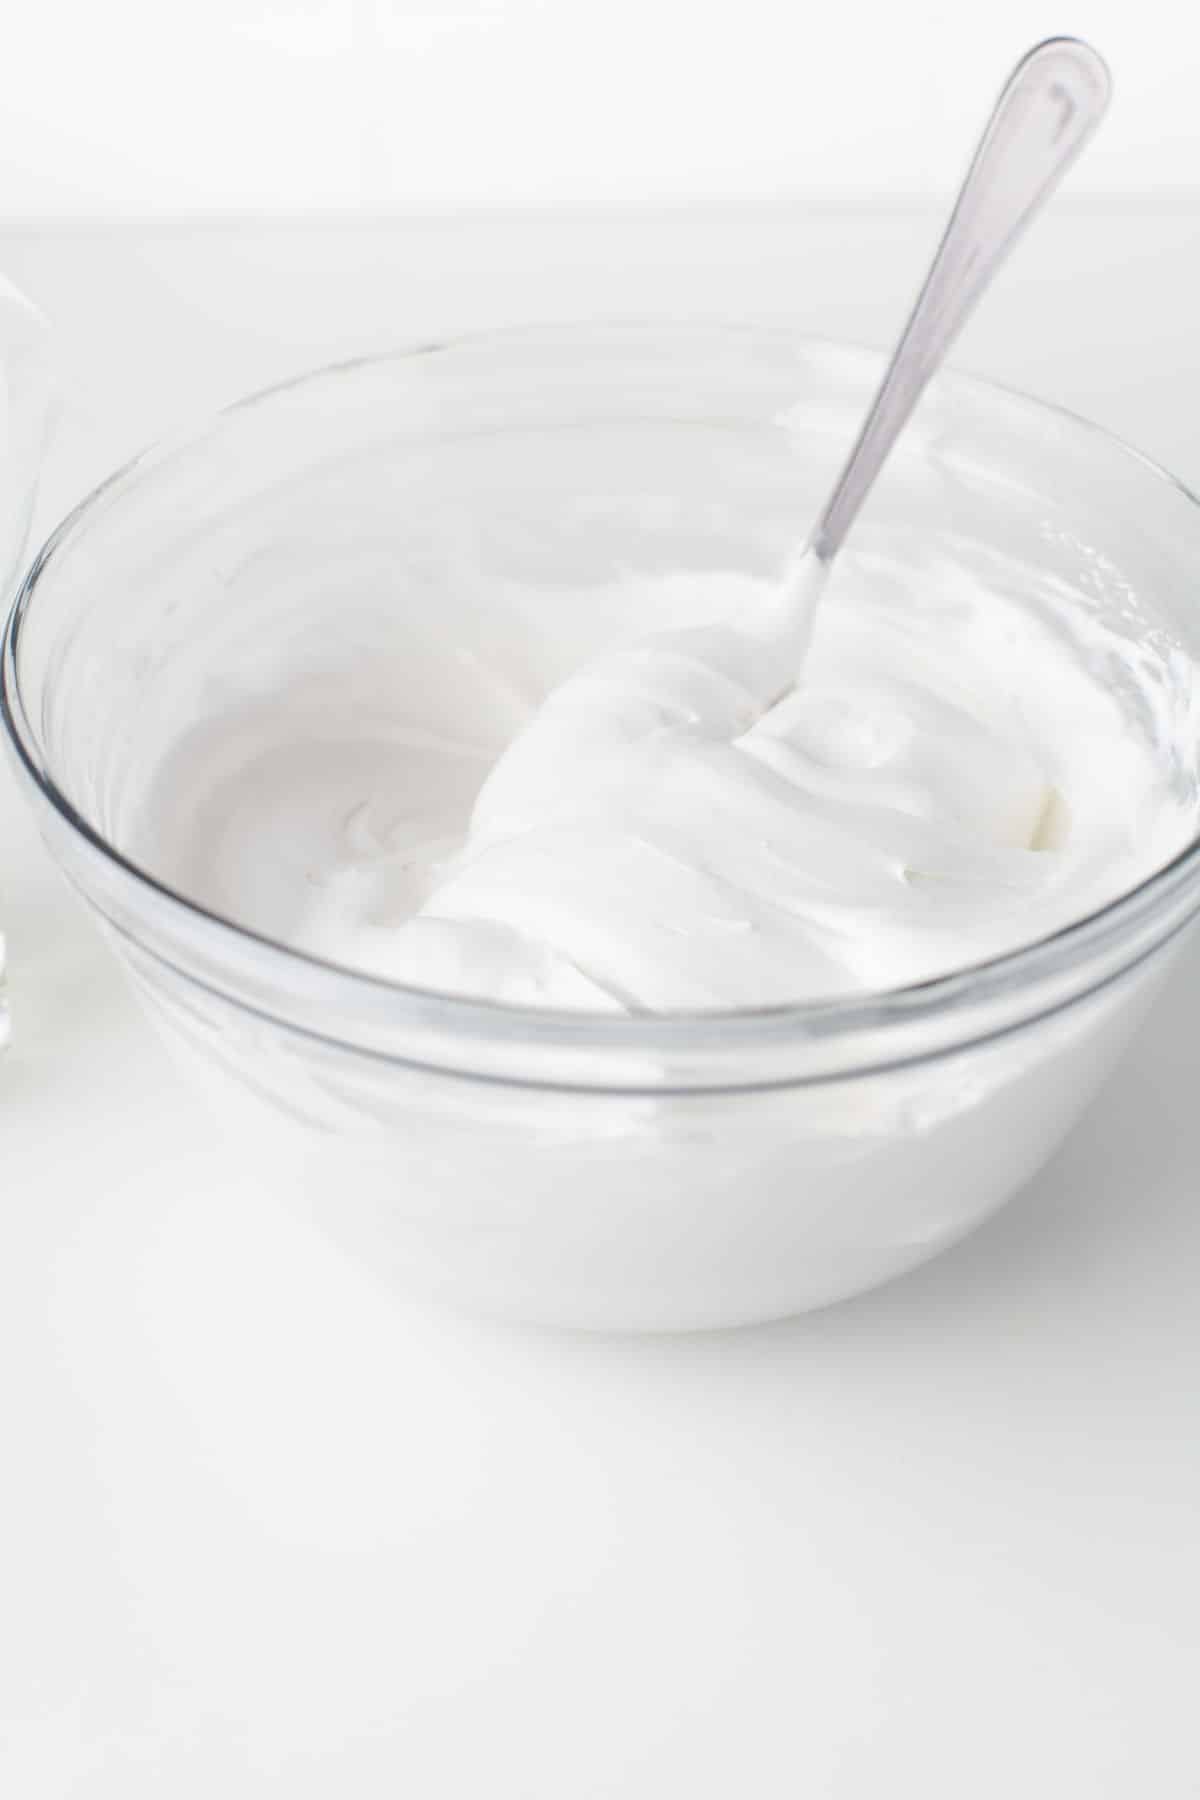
[(1051, 104)]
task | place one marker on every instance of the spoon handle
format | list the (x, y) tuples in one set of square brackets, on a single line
[(1053, 101)]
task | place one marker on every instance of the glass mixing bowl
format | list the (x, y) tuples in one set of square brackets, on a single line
[(626, 1172)]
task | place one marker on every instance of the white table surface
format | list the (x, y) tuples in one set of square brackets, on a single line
[(264, 1530)]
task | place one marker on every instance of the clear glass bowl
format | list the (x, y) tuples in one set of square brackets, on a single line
[(643, 1173)]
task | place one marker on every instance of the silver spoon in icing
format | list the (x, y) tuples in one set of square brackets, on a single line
[(1050, 105)]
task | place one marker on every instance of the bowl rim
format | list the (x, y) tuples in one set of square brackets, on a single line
[(1063, 951)]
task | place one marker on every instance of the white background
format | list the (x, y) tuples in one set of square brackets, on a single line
[(266, 1530), (169, 107)]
